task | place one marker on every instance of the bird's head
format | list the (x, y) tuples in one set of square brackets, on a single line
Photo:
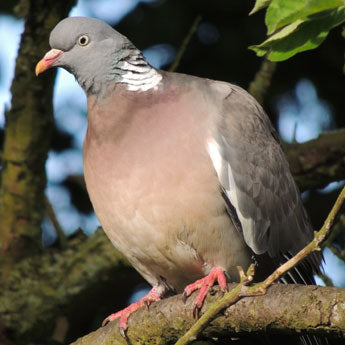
[(89, 49)]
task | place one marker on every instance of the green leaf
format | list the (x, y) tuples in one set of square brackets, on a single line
[(301, 35), (284, 12), (284, 32), (259, 4), (262, 48)]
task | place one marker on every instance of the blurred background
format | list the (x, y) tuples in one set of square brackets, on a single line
[(306, 96)]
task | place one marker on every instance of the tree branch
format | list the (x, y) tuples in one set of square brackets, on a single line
[(316, 163), (259, 86), (317, 310), (61, 237), (333, 236), (27, 135), (56, 282)]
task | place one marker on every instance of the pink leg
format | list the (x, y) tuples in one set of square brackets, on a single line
[(152, 296), (204, 284)]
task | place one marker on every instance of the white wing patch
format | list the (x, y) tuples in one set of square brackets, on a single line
[(227, 181), (213, 151)]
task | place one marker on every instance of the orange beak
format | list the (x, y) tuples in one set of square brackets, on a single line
[(47, 60)]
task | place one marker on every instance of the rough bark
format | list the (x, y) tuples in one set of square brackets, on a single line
[(318, 162), (285, 309), (27, 134), (22, 184), (58, 282)]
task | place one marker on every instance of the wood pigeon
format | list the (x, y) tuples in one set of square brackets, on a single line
[(186, 175)]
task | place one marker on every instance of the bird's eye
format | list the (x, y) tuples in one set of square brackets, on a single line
[(83, 40)]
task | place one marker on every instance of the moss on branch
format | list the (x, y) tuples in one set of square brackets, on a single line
[(285, 309), (27, 134), (59, 283)]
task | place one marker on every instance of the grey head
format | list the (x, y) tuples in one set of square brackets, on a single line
[(95, 53)]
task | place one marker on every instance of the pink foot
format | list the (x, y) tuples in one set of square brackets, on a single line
[(152, 296), (204, 284)]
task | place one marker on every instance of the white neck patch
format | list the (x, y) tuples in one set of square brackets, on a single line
[(139, 76)]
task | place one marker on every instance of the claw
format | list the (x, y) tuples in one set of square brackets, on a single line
[(184, 297), (110, 318), (153, 295), (205, 284), (146, 304), (224, 289), (123, 332), (195, 312)]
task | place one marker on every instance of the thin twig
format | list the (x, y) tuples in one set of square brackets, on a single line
[(185, 43), (241, 290), (338, 228), (62, 238), (335, 232)]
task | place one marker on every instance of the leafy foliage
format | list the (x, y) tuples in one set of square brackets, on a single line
[(297, 25)]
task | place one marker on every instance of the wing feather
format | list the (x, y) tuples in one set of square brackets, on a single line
[(255, 177)]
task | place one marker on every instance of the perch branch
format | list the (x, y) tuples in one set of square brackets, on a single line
[(315, 309)]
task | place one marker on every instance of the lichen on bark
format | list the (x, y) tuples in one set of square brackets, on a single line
[(27, 135), (285, 309)]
